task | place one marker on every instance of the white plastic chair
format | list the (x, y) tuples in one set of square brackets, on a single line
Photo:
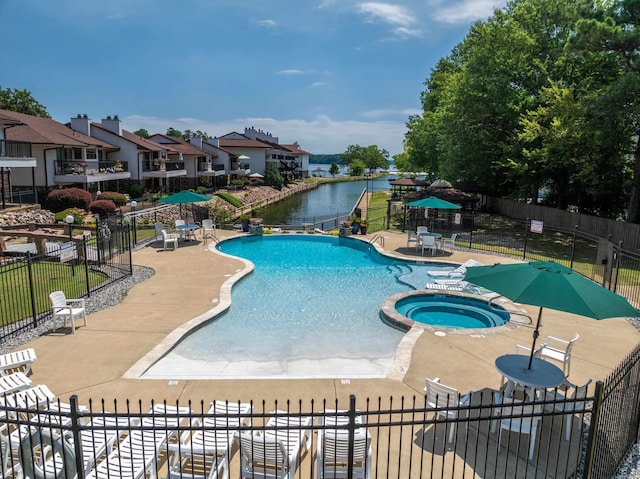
[(332, 456), (558, 350), (208, 230), (459, 272), (421, 229), (572, 392), (180, 231), (429, 242), (67, 309), (527, 424), (411, 238), (444, 398), (169, 239), (14, 382), (449, 243)]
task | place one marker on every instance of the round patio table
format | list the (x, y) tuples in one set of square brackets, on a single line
[(189, 230), (542, 375)]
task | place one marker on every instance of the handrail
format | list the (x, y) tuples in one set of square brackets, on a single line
[(377, 236), (519, 313)]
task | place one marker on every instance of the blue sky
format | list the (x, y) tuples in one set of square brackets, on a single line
[(324, 73)]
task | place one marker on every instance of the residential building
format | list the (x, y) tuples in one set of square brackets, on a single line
[(13, 155), (64, 157)]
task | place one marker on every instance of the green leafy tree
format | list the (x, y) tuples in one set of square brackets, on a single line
[(356, 168), (142, 133), (371, 156), (273, 178), (175, 133), (334, 169), (21, 101)]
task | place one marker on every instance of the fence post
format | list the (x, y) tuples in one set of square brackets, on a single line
[(473, 225), (573, 245), (351, 432), (86, 266), (593, 430), (618, 255), (526, 237), (32, 291), (130, 257), (77, 440)]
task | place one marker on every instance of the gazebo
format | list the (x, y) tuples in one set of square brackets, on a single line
[(407, 184)]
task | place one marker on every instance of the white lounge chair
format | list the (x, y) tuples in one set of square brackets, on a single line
[(206, 453), (333, 447), (67, 309), (457, 286), (460, 271), (275, 453), (444, 398), (169, 239), (332, 457), (14, 382), (20, 360)]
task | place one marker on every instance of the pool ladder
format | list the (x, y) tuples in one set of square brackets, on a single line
[(377, 237)]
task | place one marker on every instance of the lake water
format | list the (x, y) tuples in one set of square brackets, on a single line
[(323, 203)]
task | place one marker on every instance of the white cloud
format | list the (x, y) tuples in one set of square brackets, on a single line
[(326, 4), (291, 71), (320, 135), (317, 84), (267, 23), (467, 11), (387, 13)]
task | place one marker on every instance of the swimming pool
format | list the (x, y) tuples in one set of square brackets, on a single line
[(311, 304), (451, 311)]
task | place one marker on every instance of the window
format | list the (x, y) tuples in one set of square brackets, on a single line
[(92, 154), (72, 153)]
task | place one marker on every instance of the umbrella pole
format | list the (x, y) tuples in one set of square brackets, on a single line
[(536, 333)]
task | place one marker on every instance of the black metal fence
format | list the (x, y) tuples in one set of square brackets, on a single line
[(78, 267), (394, 438)]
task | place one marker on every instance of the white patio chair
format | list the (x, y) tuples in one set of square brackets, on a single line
[(559, 350), (67, 309), (449, 243), (413, 238), (20, 360), (429, 242), (180, 231), (208, 230), (444, 398), (527, 424), (158, 228), (206, 452), (421, 229), (169, 239), (572, 392)]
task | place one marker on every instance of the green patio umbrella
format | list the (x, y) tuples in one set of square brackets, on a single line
[(550, 285), (435, 203), (185, 196)]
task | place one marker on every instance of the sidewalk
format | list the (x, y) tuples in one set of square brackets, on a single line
[(187, 285)]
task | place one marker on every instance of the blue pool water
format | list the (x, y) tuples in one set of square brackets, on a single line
[(310, 299), (452, 311)]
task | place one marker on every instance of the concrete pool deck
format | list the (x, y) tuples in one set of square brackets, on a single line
[(187, 284)]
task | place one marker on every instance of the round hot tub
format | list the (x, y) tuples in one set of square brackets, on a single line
[(449, 310)]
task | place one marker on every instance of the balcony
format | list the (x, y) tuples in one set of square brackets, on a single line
[(211, 170), (16, 154), (158, 168), (90, 171)]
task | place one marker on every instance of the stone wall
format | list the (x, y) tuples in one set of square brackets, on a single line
[(25, 217)]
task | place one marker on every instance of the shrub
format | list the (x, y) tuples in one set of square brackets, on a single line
[(78, 215), (136, 190), (58, 200), (102, 207), (230, 199), (118, 199)]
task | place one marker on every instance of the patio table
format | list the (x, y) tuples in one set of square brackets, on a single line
[(542, 375), (188, 230)]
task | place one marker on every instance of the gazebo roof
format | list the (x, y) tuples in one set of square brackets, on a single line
[(407, 182)]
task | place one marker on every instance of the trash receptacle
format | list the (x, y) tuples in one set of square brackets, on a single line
[(255, 230), (343, 232)]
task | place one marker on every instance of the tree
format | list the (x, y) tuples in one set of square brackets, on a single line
[(273, 178), (21, 101), (175, 133), (371, 156), (142, 133), (356, 168), (334, 169)]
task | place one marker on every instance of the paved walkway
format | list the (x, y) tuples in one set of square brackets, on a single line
[(188, 284)]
